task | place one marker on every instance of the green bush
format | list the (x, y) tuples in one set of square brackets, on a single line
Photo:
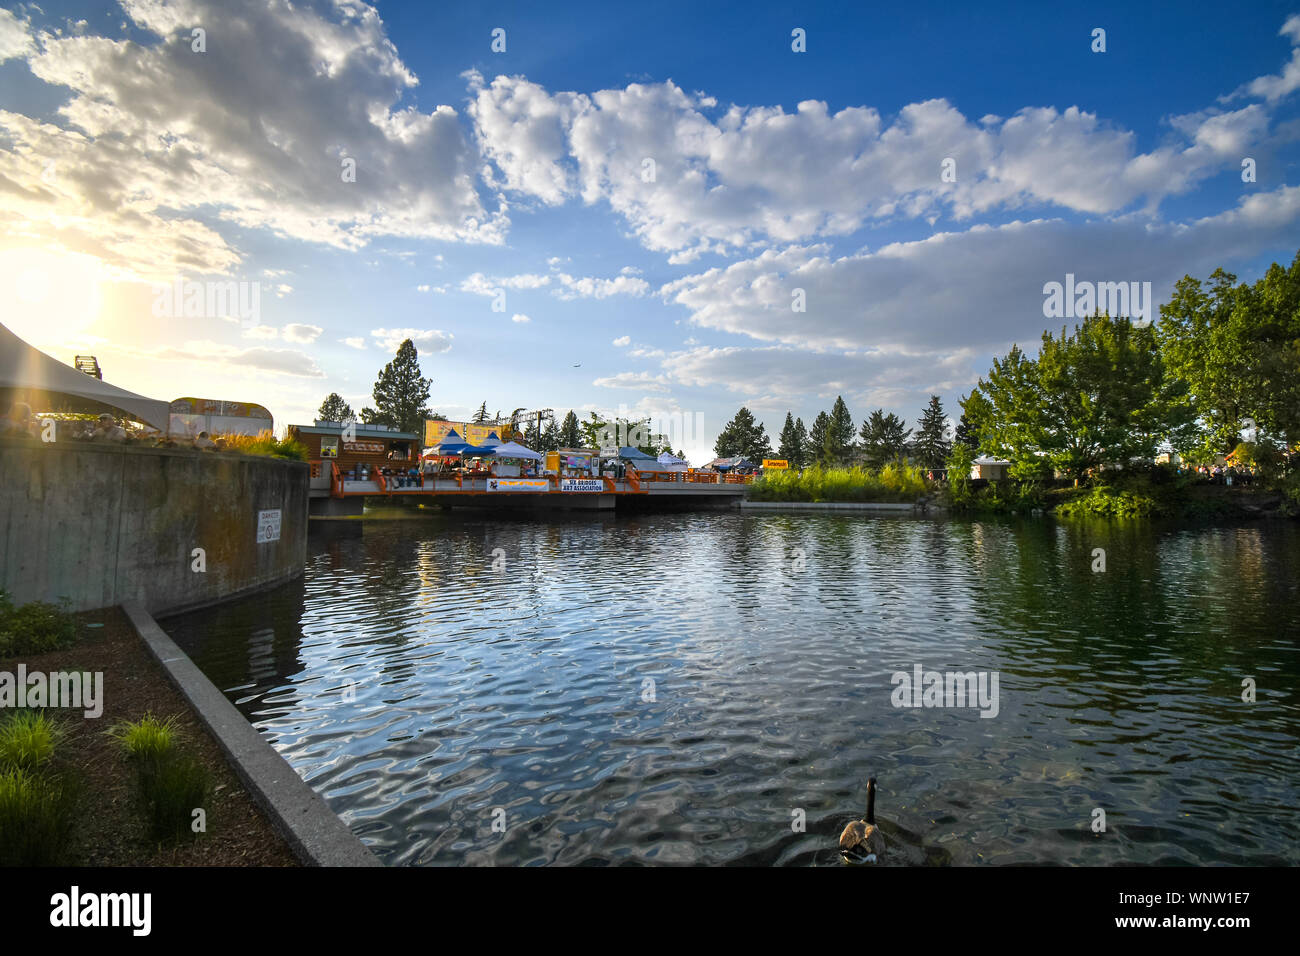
[(1290, 489), (36, 818), (27, 740), (34, 628), (148, 740), (173, 787), (894, 482), (1108, 502)]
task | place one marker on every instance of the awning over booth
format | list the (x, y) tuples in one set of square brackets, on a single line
[(628, 453), (24, 367), (515, 450), (727, 464)]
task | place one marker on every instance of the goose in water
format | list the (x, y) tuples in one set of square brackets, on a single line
[(862, 841)]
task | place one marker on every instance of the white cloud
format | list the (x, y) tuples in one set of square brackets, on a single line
[(151, 134), (1273, 88), (355, 342), (638, 380), (623, 340), (425, 340), (15, 36), (280, 361), (302, 334), (520, 317), (982, 288), (760, 175)]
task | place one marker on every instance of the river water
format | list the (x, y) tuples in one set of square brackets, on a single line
[(717, 688)]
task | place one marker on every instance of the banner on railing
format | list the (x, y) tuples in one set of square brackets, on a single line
[(518, 484), (776, 463), (581, 484)]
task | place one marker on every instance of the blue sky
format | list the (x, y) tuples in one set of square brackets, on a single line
[(129, 160)]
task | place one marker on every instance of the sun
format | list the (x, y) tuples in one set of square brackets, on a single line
[(48, 295)]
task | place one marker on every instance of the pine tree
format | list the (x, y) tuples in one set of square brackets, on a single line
[(550, 440), (481, 415), (932, 445), (334, 409), (883, 438), (813, 448), (400, 393), (839, 447), (570, 433), (743, 437), (792, 442)]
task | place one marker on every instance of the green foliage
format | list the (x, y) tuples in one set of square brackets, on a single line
[(743, 436), (148, 739), (27, 740), (570, 433), (960, 459), (266, 445), (793, 442), (1105, 501), (1290, 489), (173, 787), (34, 628), (1238, 349), (894, 482), (931, 444), (883, 438), (334, 409), (837, 442), (1096, 395), (36, 817), (401, 392)]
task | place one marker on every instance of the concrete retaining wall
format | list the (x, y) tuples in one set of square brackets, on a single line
[(101, 524), (828, 506)]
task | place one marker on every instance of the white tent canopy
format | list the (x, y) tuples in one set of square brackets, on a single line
[(514, 450), (672, 463), (24, 367)]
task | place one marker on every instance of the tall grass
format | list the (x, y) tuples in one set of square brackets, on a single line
[(27, 740), (36, 818), (172, 784), (173, 788), (894, 482), (148, 739), (264, 443)]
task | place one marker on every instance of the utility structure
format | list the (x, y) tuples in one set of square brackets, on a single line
[(90, 365), (521, 418)]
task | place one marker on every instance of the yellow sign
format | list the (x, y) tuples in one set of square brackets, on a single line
[(436, 431), (775, 463)]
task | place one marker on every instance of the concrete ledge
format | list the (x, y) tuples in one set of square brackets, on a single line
[(899, 506), (315, 833)]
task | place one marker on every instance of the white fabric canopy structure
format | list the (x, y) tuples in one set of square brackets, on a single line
[(24, 367), (514, 450)]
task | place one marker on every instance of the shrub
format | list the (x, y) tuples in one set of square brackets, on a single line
[(27, 740), (34, 628), (148, 740), (36, 818), (894, 482), (173, 787), (1107, 502), (264, 444)]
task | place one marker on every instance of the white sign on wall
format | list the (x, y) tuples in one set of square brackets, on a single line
[(581, 484), (268, 526)]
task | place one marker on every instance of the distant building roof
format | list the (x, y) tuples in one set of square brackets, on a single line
[(366, 431)]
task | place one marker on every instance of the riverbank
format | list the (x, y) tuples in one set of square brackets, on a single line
[(1133, 496), (108, 827)]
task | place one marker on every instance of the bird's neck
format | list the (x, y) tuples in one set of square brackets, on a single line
[(871, 806)]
